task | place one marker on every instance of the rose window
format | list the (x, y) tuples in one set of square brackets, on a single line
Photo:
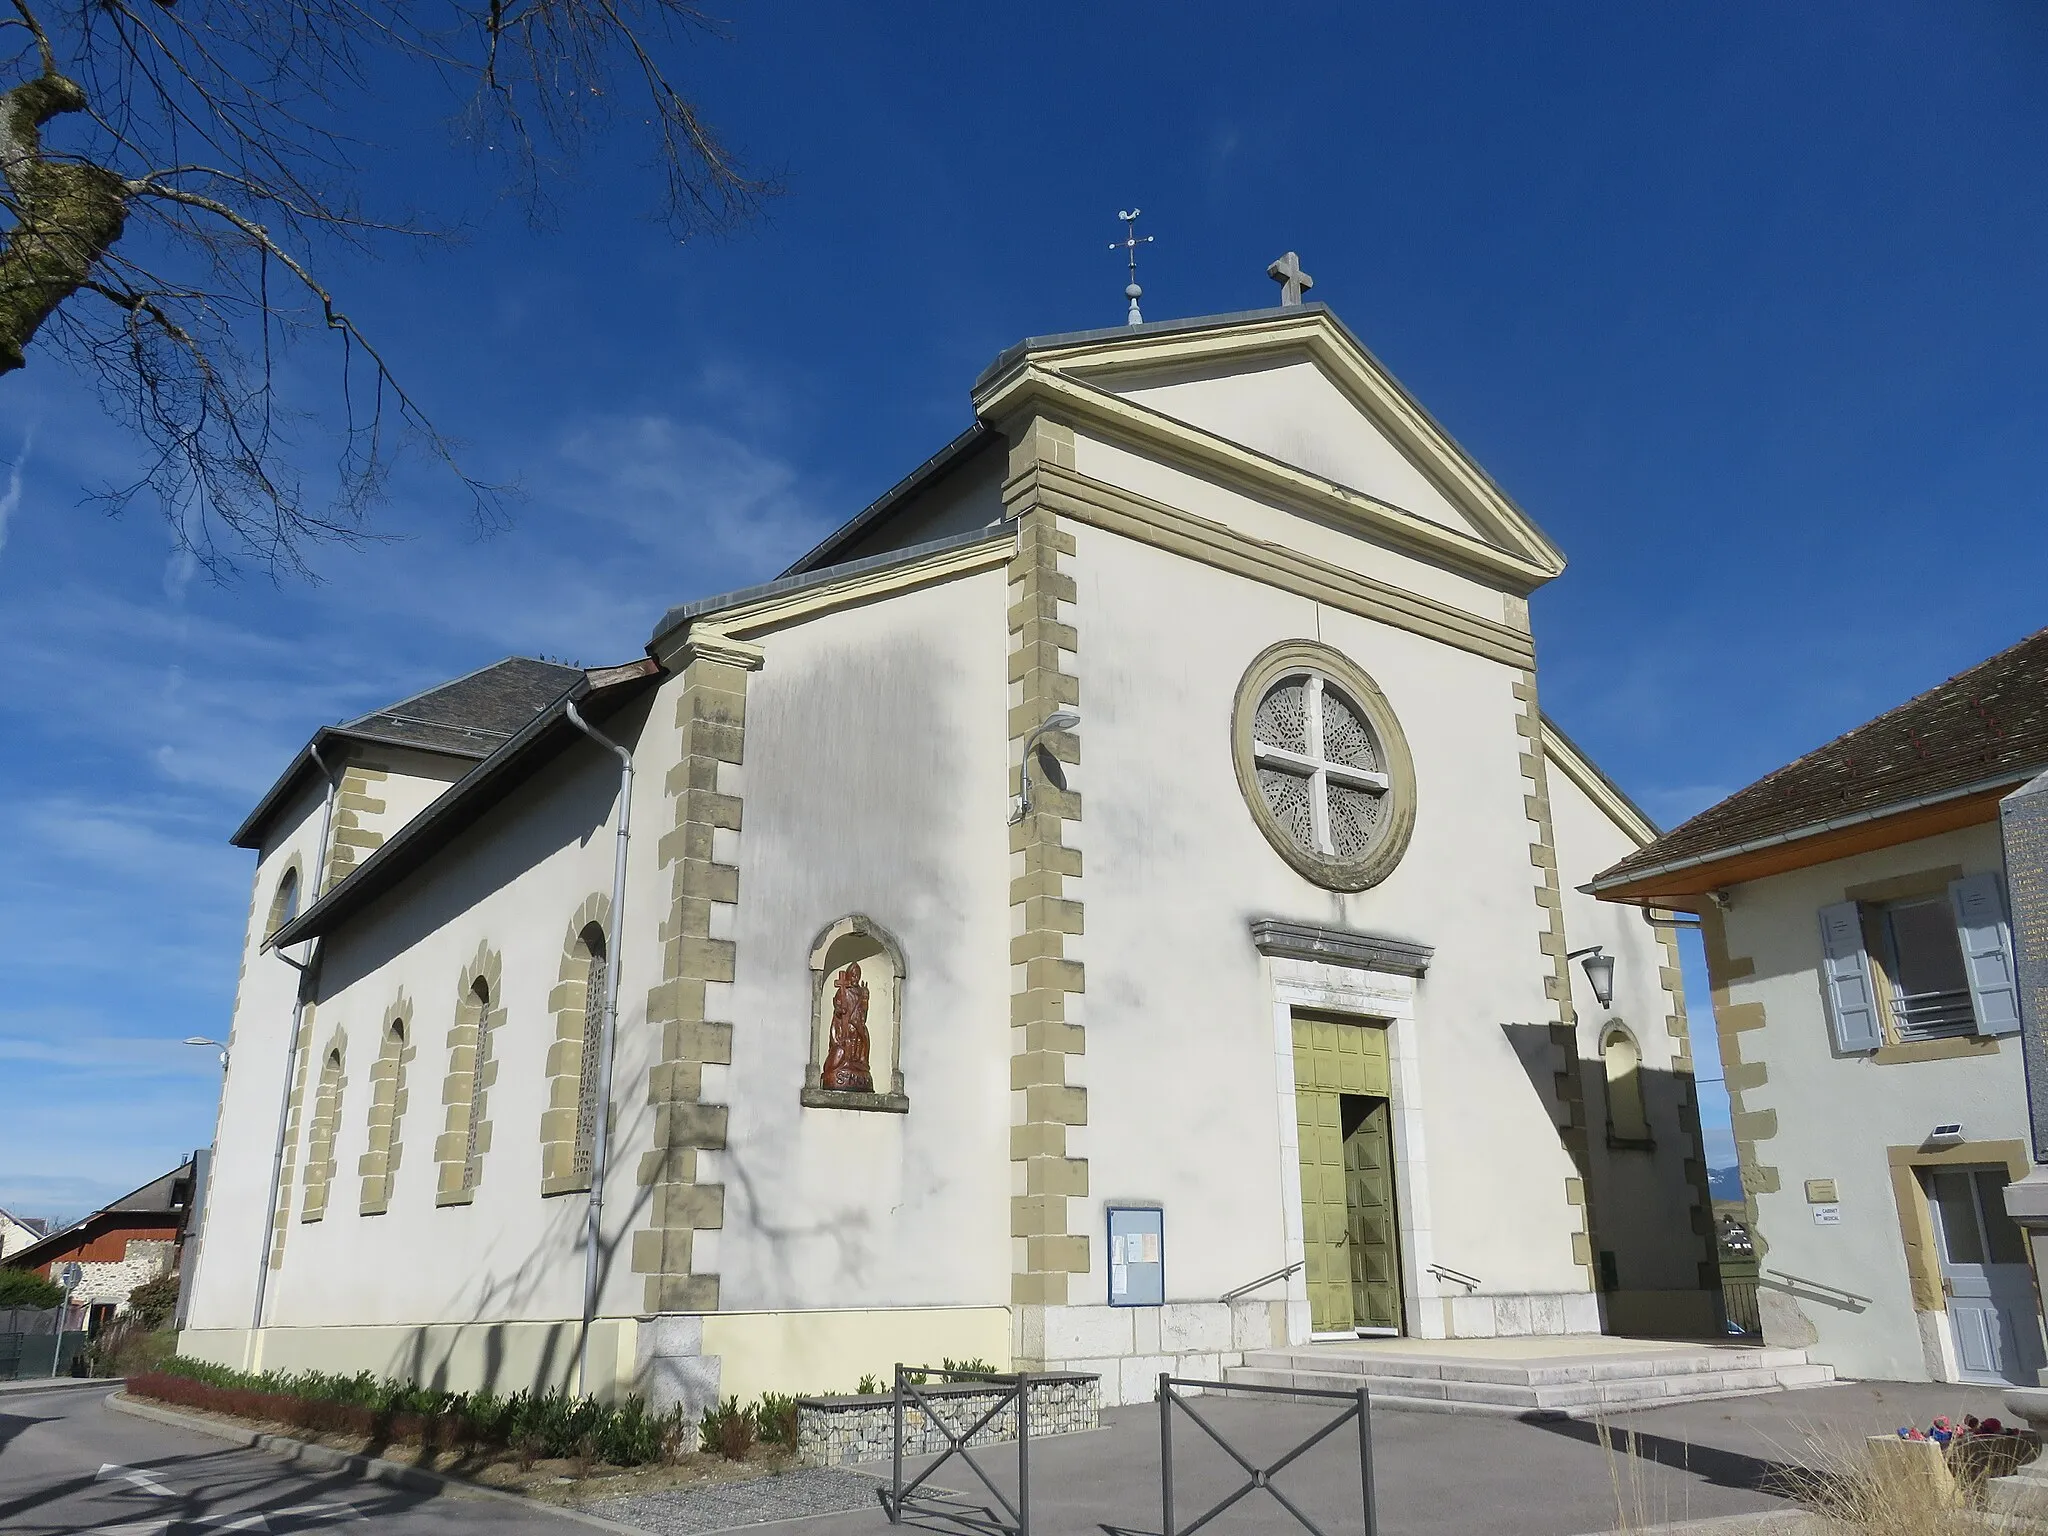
[(1320, 770)]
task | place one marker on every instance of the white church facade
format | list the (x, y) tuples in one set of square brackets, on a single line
[(1112, 906)]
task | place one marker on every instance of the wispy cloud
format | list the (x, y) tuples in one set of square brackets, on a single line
[(10, 498), (143, 712)]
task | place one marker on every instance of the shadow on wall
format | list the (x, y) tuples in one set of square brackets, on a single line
[(497, 1305), (1651, 1128)]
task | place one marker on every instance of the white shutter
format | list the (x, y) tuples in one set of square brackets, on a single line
[(1845, 969), (1979, 903)]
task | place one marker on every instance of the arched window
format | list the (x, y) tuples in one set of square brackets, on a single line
[(591, 1066), (320, 1149), (387, 1111), (466, 1132), (1626, 1119), (473, 1143), (284, 904)]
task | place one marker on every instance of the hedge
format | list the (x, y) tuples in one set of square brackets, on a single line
[(370, 1407)]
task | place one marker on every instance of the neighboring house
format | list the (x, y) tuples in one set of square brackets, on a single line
[(122, 1245), (1290, 1036), (1854, 912), (18, 1232)]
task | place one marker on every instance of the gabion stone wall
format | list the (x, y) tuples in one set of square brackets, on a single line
[(838, 1431)]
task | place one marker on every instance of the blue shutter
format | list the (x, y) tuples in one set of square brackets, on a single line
[(1979, 903), (1845, 969)]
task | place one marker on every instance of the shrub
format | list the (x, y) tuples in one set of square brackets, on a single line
[(871, 1386), (777, 1418), (153, 1303), (26, 1288), (730, 1430), (530, 1424), (126, 1348)]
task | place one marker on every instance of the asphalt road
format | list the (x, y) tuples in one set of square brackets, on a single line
[(70, 1465)]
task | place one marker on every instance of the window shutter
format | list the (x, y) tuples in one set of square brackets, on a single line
[(1845, 968), (1979, 904)]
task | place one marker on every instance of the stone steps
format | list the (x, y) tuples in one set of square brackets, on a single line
[(1570, 1387)]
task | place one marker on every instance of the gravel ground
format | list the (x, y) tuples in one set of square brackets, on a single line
[(805, 1491)]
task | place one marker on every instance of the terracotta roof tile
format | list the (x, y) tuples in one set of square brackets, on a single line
[(1984, 725)]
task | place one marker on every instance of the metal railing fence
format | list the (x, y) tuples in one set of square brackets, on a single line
[(1011, 1388), (1358, 1407)]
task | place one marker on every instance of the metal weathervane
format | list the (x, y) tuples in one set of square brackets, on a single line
[(1129, 245)]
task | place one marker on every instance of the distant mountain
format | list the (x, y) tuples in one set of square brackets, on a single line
[(1725, 1183)]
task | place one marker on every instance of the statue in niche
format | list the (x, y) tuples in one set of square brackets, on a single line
[(846, 1052)]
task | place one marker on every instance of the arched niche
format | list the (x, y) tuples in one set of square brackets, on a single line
[(1628, 1121), (857, 972)]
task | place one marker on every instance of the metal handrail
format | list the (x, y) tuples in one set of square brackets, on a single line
[(1783, 1278), (1252, 1285), (1455, 1276)]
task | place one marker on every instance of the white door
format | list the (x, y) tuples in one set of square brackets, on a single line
[(1984, 1275)]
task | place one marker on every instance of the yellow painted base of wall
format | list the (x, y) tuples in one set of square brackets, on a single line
[(817, 1353), (793, 1352), (454, 1357)]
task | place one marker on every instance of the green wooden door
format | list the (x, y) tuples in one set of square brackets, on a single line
[(1375, 1258), (1325, 1222), (1347, 1176)]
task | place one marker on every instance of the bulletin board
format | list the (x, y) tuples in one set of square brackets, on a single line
[(1137, 1255)]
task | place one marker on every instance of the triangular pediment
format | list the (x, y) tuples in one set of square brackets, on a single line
[(1290, 396)]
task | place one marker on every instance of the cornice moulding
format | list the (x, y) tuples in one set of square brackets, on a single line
[(744, 621), (1116, 510), (1341, 946)]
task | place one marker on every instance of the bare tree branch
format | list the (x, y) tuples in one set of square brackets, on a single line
[(158, 159)]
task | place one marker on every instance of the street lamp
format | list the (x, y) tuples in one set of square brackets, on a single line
[(1599, 968), (1059, 720), (216, 1044)]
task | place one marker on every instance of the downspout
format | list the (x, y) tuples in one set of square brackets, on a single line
[(253, 1356), (600, 1133)]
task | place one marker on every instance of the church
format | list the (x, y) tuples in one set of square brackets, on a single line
[(1112, 906)]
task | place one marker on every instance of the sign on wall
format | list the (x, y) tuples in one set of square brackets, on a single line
[(1137, 1255)]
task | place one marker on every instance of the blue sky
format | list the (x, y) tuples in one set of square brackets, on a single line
[(1743, 303)]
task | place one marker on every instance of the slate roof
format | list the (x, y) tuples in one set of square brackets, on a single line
[(597, 693), (1979, 729), (473, 715), (470, 717), (159, 1203)]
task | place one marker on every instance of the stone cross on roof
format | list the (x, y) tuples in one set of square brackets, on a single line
[(1292, 280)]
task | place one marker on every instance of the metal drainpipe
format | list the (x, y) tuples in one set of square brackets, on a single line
[(291, 1055), (600, 1133)]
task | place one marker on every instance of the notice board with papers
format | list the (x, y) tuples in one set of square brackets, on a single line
[(1137, 1255)]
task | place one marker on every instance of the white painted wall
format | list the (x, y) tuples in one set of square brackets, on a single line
[(1289, 409), (259, 1037), (1836, 1115), (514, 881), (1180, 1064), (417, 780), (967, 497), (875, 782), (1282, 526)]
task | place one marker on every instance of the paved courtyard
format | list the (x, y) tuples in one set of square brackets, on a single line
[(1449, 1475), (69, 1466)]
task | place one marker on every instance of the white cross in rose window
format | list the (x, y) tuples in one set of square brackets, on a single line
[(1317, 764)]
